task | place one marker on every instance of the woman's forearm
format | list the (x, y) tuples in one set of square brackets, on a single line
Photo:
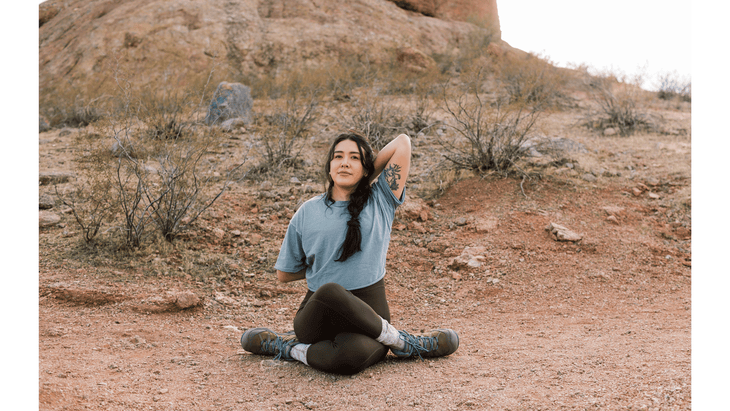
[(285, 277)]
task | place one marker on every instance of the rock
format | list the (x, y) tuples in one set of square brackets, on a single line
[(266, 185), (612, 219), (486, 225), (236, 233), (219, 233), (609, 131), (589, 177), (45, 202), (43, 124), (654, 196), (413, 59), (124, 147), (230, 101), (461, 221), (84, 39), (226, 300), (471, 257), (438, 246), (65, 132), (613, 210), (186, 299), (54, 178), (636, 191), (413, 208), (294, 180), (683, 233), (233, 124), (416, 226), (254, 239), (48, 219), (561, 233)]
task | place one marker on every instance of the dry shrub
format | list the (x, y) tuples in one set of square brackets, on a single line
[(65, 106), (150, 180), (295, 102), (468, 52), (486, 137), (377, 121), (617, 97), (671, 86), (531, 79), (283, 134)]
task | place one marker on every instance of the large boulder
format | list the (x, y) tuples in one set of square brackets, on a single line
[(231, 100), (184, 41)]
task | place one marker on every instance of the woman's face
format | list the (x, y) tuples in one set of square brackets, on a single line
[(346, 168)]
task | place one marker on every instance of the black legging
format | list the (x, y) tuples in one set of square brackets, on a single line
[(342, 327)]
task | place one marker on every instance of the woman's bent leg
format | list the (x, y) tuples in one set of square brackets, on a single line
[(347, 353), (332, 310)]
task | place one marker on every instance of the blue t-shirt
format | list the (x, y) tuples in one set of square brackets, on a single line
[(315, 234)]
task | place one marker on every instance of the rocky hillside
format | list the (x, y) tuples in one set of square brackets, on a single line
[(83, 40)]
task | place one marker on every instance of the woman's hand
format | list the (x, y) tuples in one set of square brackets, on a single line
[(285, 277), (394, 161)]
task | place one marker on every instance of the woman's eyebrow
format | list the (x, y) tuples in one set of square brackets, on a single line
[(349, 152)]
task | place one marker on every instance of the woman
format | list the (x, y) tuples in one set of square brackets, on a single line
[(338, 241)]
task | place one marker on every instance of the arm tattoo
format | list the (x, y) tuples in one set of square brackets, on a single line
[(392, 176)]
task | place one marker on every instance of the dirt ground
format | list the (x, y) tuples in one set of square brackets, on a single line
[(603, 323)]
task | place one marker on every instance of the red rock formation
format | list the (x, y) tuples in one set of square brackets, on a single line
[(481, 12), (82, 41)]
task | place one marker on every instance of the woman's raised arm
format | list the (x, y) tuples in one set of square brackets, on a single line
[(394, 162)]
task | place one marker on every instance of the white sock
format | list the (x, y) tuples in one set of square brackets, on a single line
[(299, 352), (389, 336)]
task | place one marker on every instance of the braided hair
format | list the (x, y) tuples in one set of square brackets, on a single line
[(358, 198)]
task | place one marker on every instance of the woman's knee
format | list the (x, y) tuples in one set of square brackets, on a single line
[(356, 353), (329, 292)]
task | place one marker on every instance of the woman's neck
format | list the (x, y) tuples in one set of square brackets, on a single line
[(341, 194)]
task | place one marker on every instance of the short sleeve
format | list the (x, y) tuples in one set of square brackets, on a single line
[(381, 186), (291, 256)]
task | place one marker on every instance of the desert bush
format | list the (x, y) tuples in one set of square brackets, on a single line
[(617, 99), (164, 112), (531, 80), (284, 133), (149, 180), (377, 121), (90, 200), (72, 110), (468, 52), (487, 137), (671, 86)]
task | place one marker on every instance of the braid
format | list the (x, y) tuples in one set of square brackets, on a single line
[(358, 199)]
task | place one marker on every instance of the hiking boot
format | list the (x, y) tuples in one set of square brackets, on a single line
[(437, 343), (263, 341)]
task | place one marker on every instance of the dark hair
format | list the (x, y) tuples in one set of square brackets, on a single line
[(358, 198)]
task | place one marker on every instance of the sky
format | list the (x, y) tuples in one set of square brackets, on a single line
[(624, 36), (662, 36)]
